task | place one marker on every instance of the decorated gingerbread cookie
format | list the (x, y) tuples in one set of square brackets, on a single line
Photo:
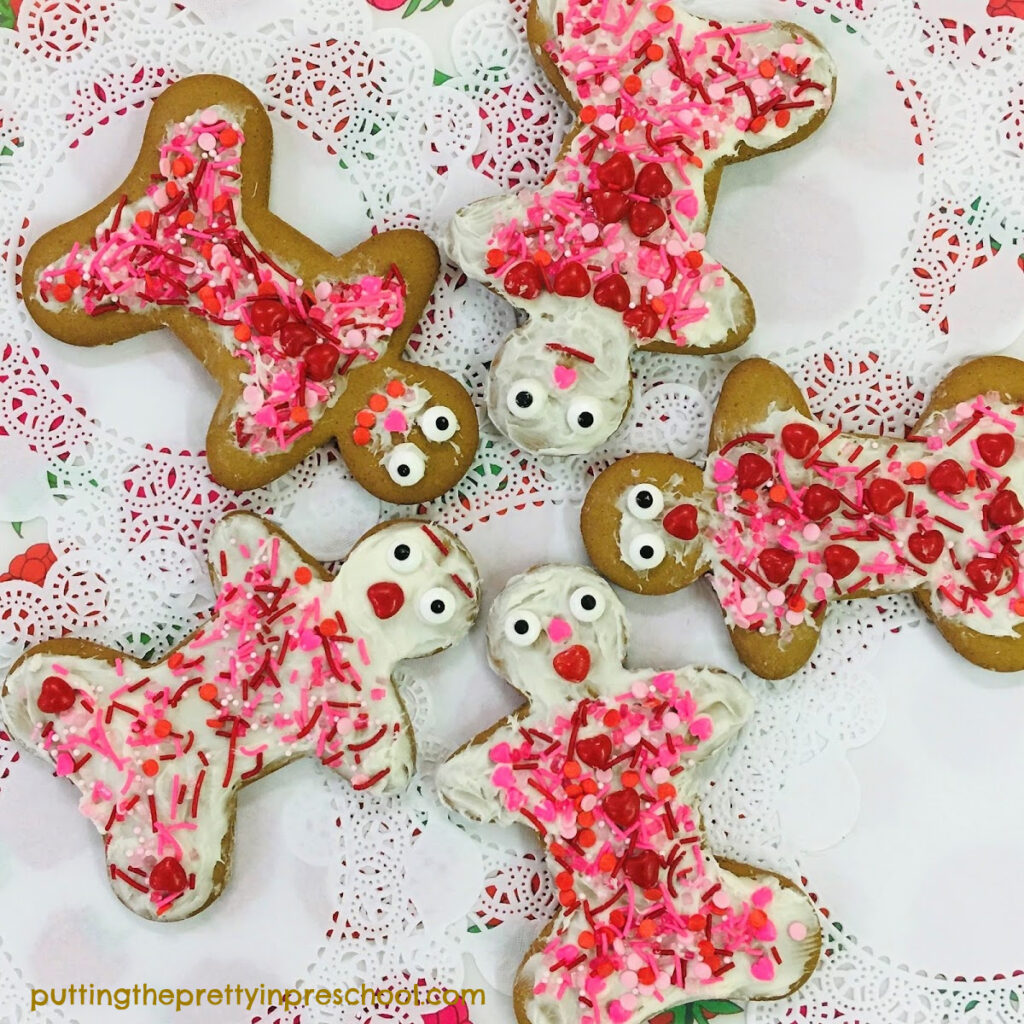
[(789, 515), (291, 663), (599, 762), (305, 346), (611, 253)]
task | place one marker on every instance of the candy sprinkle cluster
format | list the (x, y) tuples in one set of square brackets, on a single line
[(802, 515), (644, 910), (664, 94), (184, 244), (159, 753)]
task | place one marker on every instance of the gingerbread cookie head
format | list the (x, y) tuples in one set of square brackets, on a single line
[(559, 387), (187, 241), (409, 427), (641, 523), (556, 626), (290, 663), (614, 242), (415, 585)]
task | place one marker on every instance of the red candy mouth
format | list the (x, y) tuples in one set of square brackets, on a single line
[(572, 664), (385, 599)]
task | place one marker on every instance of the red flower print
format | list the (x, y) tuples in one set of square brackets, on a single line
[(1006, 8), (31, 566), (455, 1013), (386, 5)]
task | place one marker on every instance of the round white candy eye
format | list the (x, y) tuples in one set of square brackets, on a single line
[(583, 415), (438, 423), (586, 604), (406, 465), (404, 557), (437, 605), (645, 502), (647, 551), (522, 628), (526, 398)]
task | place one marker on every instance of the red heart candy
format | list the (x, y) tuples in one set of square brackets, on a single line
[(55, 695), (168, 876), (610, 207), (1005, 509), (572, 280), (267, 316), (820, 501), (948, 476), (984, 571), (612, 292), (617, 173), (524, 280), (321, 359), (840, 560), (572, 664), (926, 546), (643, 321), (776, 564), (642, 868), (386, 598), (594, 750), (995, 449), (752, 471), (799, 439), (296, 338), (622, 807), (652, 181), (884, 495), (645, 218), (681, 522)]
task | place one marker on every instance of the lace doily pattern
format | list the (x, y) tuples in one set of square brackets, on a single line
[(414, 120)]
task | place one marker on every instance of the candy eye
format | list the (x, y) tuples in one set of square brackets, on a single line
[(646, 551), (437, 605), (526, 398), (404, 557), (522, 628), (645, 502), (583, 415), (586, 604), (406, 465), (438, 423)]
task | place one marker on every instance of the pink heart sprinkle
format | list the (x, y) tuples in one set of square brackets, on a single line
[(396, 422), (701, 728), (559, 630), (763, 969), (724, 470), (65, 763), (565, 377)]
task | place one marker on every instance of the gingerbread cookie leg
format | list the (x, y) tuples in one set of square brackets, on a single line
[(598, 764), (187, 241), (291, 663)]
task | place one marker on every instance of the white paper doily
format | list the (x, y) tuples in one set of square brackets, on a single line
[(879, 253)]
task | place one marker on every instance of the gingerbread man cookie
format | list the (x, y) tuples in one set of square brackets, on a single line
[(610, 254), (305, 346), (291, 663), (599, 763), (788, 515)]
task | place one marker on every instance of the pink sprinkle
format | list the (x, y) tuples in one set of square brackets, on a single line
[(364, 654), (378, 693), (565, 377), (724, 470), (396, 422), (763, 969), (500, 753), (761, 897), (701, 727), (503, 777), (559, 630), (797, 931), (664, 681), (65, 763)]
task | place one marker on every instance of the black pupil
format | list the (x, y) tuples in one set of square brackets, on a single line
[(588, 602), (645, 499), (585, 419), (524, 399), (441, 422), (403, 470), (522, 627), (402, 552), (437, 606), (647, 551)]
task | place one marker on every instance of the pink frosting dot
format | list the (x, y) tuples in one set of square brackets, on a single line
[(776, 597), (797, 931)]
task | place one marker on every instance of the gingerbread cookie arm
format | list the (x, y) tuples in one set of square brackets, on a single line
[(988, 375)]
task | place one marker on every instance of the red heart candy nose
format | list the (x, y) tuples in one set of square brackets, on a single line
[(573, 663), (385, 599), (168, 876), (55, 696), (681, 522)]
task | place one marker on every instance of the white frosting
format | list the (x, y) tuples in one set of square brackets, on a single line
[(351, 718)]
